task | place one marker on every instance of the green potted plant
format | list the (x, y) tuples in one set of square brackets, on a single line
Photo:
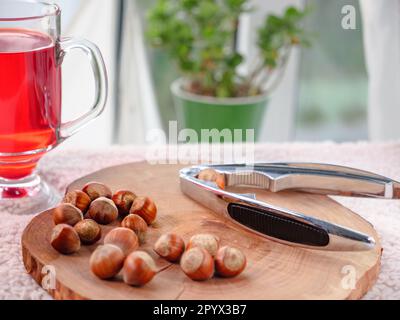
[(201, 37)]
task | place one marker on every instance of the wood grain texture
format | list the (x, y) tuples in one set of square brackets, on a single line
[(274, 271)]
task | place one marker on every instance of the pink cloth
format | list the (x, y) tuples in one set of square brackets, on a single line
[(61, 167)]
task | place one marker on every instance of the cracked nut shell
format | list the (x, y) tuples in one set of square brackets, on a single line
[(213, 176)]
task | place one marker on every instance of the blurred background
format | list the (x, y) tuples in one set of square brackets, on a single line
[(342, 88)]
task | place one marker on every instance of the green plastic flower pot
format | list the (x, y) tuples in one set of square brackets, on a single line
[(199, 112)]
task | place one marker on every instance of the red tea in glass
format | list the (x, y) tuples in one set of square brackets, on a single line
[(31, 53), (30, 97)]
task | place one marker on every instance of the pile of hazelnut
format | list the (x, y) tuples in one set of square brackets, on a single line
[(203, 256), (78, 218)]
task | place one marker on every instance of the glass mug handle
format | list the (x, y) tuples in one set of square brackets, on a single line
[(68, 129)]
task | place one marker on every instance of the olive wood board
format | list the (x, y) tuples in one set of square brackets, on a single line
[(274, 271)]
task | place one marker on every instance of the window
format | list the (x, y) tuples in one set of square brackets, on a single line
[(333, 83)]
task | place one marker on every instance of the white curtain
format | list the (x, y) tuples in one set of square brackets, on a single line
[(94, 20), (381, 20), (138, 110)]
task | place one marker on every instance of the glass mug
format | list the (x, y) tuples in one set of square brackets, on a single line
[(31, 54)]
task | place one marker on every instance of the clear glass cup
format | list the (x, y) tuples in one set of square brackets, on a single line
[(31, 55)]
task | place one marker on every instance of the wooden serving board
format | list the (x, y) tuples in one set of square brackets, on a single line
[(274, 271)]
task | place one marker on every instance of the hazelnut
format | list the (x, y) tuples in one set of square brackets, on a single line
[(213, 176), (197, 264), (229, 262), (89, 231), (170, 247), (107, 261), (65, 239), (205, 241), (103, 211), (136, 224), (123, 200), (79, 199), (66, 213), (139, 268), (97, 190), (146, 208), (123, 238)]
